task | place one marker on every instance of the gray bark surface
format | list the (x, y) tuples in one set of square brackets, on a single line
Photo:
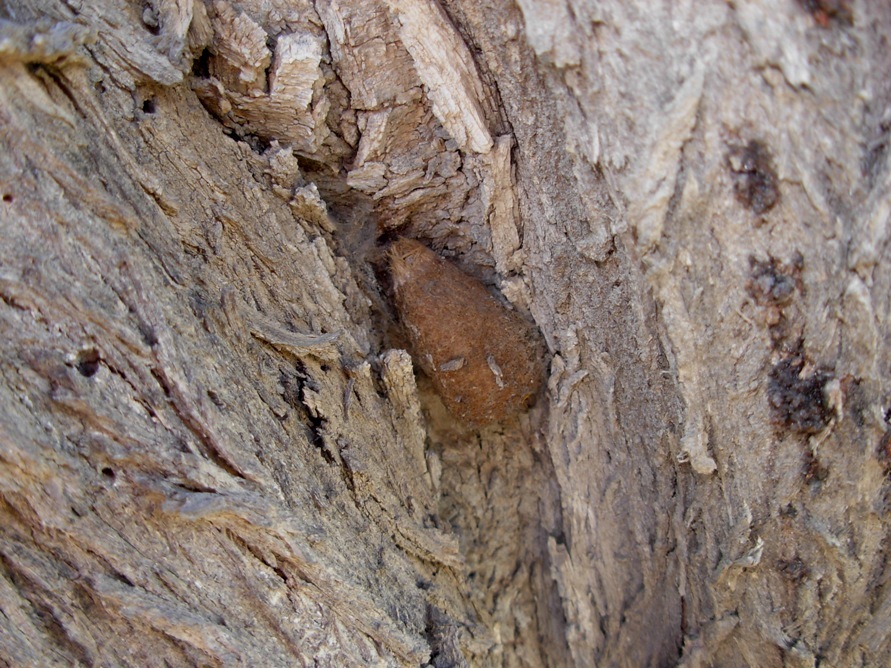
[(215, 448)]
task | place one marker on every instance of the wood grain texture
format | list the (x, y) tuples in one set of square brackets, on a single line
[(208, 455)]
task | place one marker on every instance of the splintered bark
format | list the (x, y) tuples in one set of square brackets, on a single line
[(216, 447)]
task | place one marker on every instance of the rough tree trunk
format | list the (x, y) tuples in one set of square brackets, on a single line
[(213, 448)]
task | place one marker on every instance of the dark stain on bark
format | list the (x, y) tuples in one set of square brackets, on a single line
[(755, 180), (772, 286), (827, 12), (797, 400)]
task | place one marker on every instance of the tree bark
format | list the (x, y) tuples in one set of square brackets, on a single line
[(215, 448)]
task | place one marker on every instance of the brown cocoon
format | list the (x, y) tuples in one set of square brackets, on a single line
[(485, 360)]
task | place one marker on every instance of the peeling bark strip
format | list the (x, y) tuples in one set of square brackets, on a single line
[(486, 362), (43, 42)]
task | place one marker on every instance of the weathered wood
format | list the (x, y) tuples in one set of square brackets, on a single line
[(213, 449)]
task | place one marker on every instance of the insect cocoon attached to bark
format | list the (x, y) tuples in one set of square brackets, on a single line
[(486, 361)]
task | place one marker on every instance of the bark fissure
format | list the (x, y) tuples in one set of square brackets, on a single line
[(215, 449)]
